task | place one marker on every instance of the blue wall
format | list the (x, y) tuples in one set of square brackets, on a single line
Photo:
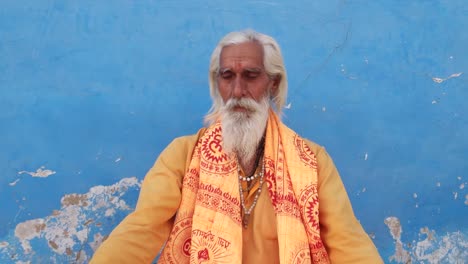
[(91, 92)]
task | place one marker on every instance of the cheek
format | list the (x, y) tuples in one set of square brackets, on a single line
[(261, 91), (223, 91)]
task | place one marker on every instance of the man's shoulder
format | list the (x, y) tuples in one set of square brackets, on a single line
[(190, 139), (313, 146), (185, 143)]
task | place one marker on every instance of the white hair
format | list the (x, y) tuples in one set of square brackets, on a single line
[(272, 61)]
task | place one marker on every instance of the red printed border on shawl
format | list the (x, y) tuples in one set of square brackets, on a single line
[(284, 204), (213, 159), (305, 153), (213, 198)]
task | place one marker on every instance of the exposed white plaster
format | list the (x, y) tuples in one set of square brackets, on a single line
[(14, 182), (118, 159), (365, 156), (415, 195), (98, 239), (462, 186), (288, 106), (28, 230), (110, 212), (450, 248), (440, 80), (67, 229), (401, 255), (41, 172)]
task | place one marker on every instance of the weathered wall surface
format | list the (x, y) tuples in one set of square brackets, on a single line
[(91, 92)]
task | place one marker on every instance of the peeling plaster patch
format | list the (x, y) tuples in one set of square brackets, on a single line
[(28, 230), (462, 186), (365, 156), (41, 172), (415, 195), (98, 239), (14, 183), (440, 80), (65, 232), (118, 159), (401, 255), (455, 195), (288, 106), (430, 248), (110, 212), (434, 102)]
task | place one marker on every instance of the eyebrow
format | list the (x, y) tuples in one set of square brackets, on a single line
[(223, 70)]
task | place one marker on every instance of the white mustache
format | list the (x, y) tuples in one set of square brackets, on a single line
[(246, 103)]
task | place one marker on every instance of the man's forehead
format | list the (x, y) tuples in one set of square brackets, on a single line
[(249, 55)]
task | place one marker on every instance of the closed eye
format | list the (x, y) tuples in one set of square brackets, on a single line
[(251, 74), (226, 75)]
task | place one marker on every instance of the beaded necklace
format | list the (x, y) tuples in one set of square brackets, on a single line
[(245, 210)]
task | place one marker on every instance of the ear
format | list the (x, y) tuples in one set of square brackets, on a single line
[(275, 86)]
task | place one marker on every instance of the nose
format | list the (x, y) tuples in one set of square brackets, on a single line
[(238, 87)]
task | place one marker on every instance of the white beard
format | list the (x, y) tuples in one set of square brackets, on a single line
[(242, 131)]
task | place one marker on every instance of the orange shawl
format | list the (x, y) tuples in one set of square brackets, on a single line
[(208, 225)]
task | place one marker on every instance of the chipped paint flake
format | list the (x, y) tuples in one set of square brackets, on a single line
[(438, 184), (3, 244), (415, 195), (466, 199), (365, 156), (462, 186), (288, 106), (41, 172), (118, 159), (324, 109), (14, 182), (110, 212), (441, 80)]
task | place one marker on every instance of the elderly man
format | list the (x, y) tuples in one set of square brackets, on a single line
[(246, 189)]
